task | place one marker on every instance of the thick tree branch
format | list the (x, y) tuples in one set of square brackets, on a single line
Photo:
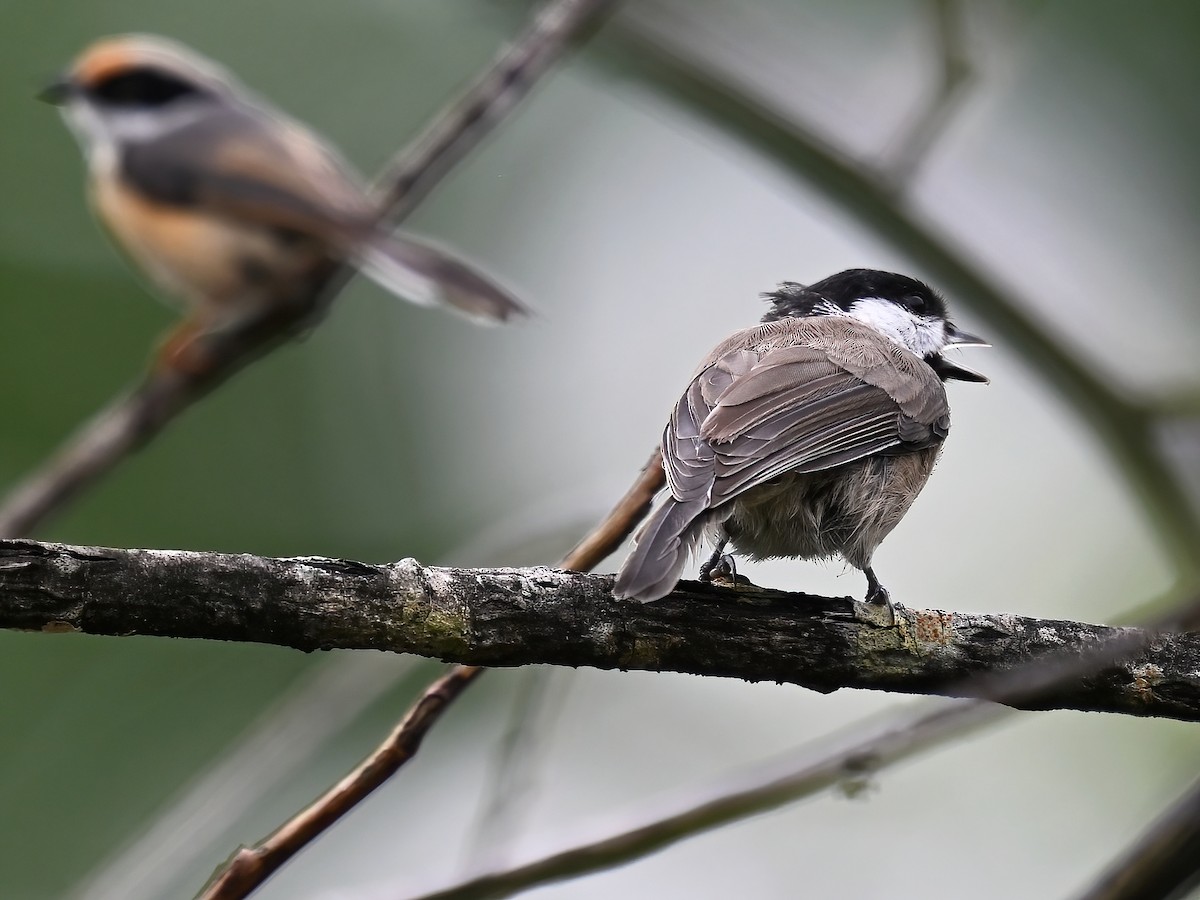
[(511, 617)]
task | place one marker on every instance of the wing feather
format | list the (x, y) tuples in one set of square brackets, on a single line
[(801, 406)]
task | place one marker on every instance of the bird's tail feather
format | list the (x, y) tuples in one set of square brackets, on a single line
[(662, 549), (431, 276)]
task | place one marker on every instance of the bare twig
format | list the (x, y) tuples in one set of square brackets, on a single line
[(1163, 863), (621, 520), (137, 416), (250, 867)]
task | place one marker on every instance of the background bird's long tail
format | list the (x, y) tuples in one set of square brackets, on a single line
[(663, 546), (427, 274)]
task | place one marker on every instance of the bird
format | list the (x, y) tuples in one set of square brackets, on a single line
[(808, 436), (225, 203)]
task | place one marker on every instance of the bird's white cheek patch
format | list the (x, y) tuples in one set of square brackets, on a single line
[(920, 335)]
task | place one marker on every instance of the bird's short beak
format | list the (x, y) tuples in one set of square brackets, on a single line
[(956, 337), (57, 92)]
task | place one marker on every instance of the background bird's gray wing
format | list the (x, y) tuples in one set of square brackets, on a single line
[(754, 415), (240, 164), (248, 166)]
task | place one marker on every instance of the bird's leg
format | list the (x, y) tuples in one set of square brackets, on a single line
[(720, 564), (182, 350), (876, 592)]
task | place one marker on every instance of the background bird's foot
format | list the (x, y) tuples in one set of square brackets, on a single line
[(184, 350)]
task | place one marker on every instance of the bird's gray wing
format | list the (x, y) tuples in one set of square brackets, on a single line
[(755, 414)]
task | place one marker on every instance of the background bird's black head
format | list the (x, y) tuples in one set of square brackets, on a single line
[(838, 292), (142, 87)]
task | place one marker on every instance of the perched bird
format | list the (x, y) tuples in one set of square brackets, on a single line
[(808, 436), (224, 202)]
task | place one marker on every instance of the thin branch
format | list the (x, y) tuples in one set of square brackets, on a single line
[(846, 761), (250, 867), (680, 73), (137, 416), (605, 537), (513, 617), (1164, 862)]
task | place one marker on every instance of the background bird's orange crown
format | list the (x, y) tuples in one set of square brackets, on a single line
[(112, 55)]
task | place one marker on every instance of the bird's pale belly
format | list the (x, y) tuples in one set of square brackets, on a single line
[(846, 511), (221, 269)]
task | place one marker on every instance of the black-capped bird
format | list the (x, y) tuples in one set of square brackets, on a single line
[(807, 436), (226, 203)]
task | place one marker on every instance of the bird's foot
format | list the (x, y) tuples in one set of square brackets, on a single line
[(879, 608), (721, 567)]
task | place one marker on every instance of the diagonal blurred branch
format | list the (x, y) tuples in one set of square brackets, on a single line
[(683, 75), (955, 77), (1164, 861), (137, 416), (519, 756), (848, 759)]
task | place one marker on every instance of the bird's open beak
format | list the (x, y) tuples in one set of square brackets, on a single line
[(956, 337), (57, 92), (952, 371)]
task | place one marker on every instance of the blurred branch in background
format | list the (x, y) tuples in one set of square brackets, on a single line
[(137, 416), (517, 617), (849, 761), (643, 47), (955, 78), (1164, 861), (520, 756)]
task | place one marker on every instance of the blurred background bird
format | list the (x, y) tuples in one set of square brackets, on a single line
[(226, 203)]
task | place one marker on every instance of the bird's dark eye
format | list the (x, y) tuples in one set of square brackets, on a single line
[(916, 303), (143, 86)]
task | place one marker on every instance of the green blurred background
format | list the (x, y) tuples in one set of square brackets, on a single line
[(642, 233)]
